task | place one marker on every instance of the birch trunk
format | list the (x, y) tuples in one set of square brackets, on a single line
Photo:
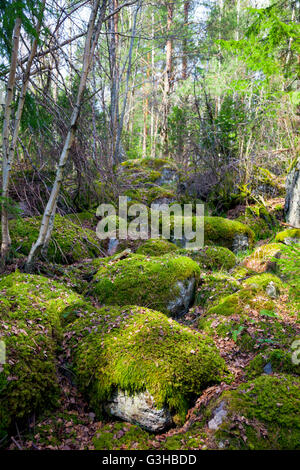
[(168, 80), (92, 37), (6, 241)]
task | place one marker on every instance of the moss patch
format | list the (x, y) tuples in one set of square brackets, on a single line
[(30, 310), (213, 287), (242, 300), (150, 282), (69, 242), (261, 281), (212, 257), (288, 236), (262, 414), (156, 247), (276, 360), (137, 349)]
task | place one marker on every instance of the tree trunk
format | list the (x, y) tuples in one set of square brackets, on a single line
[(92, 37), (184, 42), (6, 241), (292, 201), (168, 80)]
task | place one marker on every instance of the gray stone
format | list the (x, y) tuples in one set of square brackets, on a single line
[(218, 416), (181, 304), (271, 290), (240, 243), (139, 409), (292, 201)]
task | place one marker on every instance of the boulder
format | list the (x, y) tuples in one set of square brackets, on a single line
[(140, 364), (262, 414), (166, 283), (262, 259), (289, 236), (139, 409), (212, 257)]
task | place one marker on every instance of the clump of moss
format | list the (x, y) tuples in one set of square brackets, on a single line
[(262, 281), (213, 258), (86, 218), (156, 247), (30, 311), (276, 360), (259, 220), (242, 300), (151, 282), (261, 260), (121, 436), (137, 349), (288, 236), (69, 242), (262, 414), (241, 272), (213, 287)]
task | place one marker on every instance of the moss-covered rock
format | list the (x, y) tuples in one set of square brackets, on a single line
[(265, 281), (69, 242), (261, 260), (30, 311), (213, 287), (276, 360), (165, 283), (260, 414), (288, 236), (242, 300), (156, 247), (135, 349), (212, 257)]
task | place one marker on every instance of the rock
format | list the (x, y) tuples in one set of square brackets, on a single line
[(186, 292), (271, 290), (113, 244), (139, 409), (218, 416), (134, 349), (212, 257), (261, 260), (156, 247), (240, 243), (288, 236), (292, 201), (262, 414), (166, 283)]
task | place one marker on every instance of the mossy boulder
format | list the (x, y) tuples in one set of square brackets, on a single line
[(276, 360), (134, 349), (217, 231), (268, 282), (262, 414), (30, 311), (288, 236), (212, 257), (141, 171), (156, 247), (251, 319), (69, 242), (242, 300), (213, 287), (165, 283), (261, 260)]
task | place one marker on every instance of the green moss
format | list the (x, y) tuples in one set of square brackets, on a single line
[(156, 247), (241, 272), (285, 235), (137, 349), (150, 282), (69, 242), (30, 311), (261, 281), (276, 360), (262, 258), (262, 414), (121, 436), (259, 220), (86, 218), (242, 300), (213, 287), (212, 257)]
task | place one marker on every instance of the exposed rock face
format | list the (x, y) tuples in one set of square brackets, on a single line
[(180, 304), (139, 409), (292, 201), (220, 414), (240, 243)]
